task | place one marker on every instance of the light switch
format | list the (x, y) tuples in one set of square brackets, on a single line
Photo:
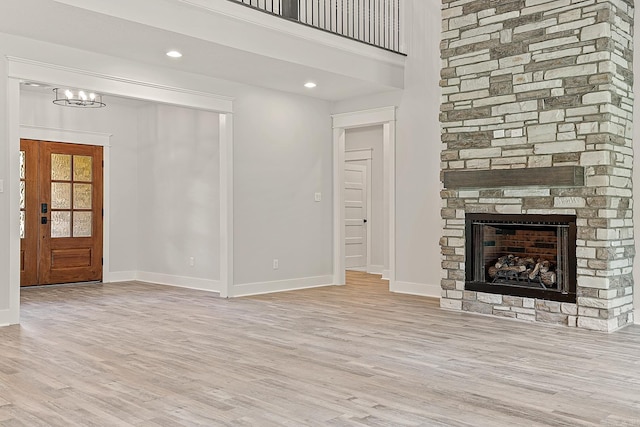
[(318, 197), (1, 185)]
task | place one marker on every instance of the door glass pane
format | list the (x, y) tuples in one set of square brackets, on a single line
[(82, 166), (60, 224), (82, 224), (22, 224), (82, 196), (22, 194), (60, 195), (22, 165), (61, 167)]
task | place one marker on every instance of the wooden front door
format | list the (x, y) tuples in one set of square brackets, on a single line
[(61, 213)]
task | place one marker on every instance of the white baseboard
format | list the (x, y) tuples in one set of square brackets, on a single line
[(122, 276), (375, 269), (363, 269), (6, 318), (258, 288), (386, 274), (420, 289), (179, 281)]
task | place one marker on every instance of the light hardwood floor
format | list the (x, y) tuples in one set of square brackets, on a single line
[(136, 354)]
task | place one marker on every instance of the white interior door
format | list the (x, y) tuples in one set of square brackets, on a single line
[(355, 211)]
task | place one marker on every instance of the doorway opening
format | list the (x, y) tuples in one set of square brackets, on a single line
[(61, 213), (384, 119)]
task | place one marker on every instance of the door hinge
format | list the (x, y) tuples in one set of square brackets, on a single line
[(102, 212), (102, 261)]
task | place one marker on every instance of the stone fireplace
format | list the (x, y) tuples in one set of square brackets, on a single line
[(537, 157)]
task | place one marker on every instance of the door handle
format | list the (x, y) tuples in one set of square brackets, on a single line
[(365, 220), (43, 220), (44, 208)]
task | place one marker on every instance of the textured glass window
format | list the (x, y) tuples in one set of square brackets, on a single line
[(23, 194), (23, 173), (82, 167), (82, 196), (60, 195), (82, 224), (22, 224), (60, 224), (60, 167)]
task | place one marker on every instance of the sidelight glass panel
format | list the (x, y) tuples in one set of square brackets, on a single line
[(82, 196), (23, 195), (22, 224), (23, 173), (60, 195), (61, 167), (82, 168), (82, 224), (60, 224)]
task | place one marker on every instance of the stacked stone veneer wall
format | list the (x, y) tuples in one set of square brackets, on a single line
[(539, 83)]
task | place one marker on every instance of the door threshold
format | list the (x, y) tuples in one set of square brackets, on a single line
[(57, 285)]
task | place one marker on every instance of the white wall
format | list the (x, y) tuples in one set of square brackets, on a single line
[(120, 120), (178, 197), (282, 156), (371, 137), (418, 224)]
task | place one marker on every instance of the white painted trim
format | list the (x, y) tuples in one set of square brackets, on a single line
[(339, 277), (356, 119), (386, 275), (389, 197), (85, 138), (65, 135), (12, 315), (226, 205), (258, 288), (6, 318), (122, 276), (386, 117), (54, 74), (420, 289), (375, 269), (179, 281)]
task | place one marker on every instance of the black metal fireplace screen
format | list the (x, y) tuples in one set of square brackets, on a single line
[(522, 255)]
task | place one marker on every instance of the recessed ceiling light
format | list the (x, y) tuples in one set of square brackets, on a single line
[(174, 54), (32, 84), (310, 85)]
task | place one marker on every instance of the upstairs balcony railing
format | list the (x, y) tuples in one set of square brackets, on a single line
[(375, 22)]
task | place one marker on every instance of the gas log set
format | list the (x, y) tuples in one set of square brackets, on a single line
[(527, 271)]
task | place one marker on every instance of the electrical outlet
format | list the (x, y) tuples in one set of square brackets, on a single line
[(275, 264), (192, 261)]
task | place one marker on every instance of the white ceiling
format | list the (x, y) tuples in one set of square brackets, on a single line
[(51, 21)]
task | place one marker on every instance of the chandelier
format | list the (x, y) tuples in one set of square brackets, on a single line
[(78, 98)]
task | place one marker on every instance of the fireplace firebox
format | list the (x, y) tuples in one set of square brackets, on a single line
[(522, 255)]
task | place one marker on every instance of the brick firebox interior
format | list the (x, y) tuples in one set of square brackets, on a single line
[(541, 85)]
